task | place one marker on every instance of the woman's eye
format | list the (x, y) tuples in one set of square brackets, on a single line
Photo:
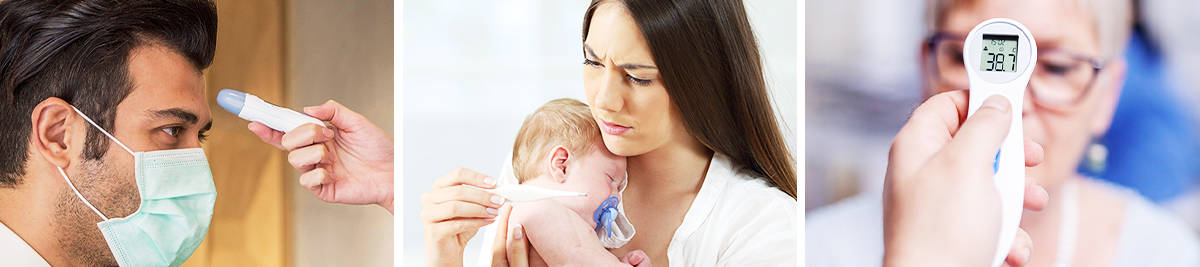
[(589, 62), (1057, 69), (637, 81)]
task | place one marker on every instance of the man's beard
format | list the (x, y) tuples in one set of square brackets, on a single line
[(110, 190)]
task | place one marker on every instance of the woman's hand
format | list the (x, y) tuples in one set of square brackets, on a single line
[(514, 250), (453, 213), (941, 207), (350, 163)]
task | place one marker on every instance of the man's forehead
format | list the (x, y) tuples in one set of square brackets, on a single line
[(165, 83)]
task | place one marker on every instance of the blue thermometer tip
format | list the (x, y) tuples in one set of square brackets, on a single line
[(231, 100)]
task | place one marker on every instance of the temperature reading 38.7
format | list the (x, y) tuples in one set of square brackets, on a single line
[(999, 53)]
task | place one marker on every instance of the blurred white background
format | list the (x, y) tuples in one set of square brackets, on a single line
[(474, 70)]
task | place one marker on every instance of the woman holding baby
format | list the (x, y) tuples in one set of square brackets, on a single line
[(677, 87)]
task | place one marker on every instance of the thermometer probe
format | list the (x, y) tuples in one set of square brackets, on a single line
[(999, 55)]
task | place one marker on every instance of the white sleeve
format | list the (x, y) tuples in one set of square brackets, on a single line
[(768, 238), (488, 233)]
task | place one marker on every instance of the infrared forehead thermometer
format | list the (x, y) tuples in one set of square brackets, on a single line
[(252, 108), (999, 55)]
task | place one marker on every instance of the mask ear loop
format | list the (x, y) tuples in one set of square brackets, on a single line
[(110, 136), (77, 194), (64, 174)]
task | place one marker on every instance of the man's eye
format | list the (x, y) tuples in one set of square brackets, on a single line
[(173, 131)]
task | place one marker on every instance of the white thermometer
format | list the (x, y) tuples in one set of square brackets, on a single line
[(525, 193), (252, 108), (999, 55)]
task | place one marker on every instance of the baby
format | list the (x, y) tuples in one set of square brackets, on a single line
[(559, 147)]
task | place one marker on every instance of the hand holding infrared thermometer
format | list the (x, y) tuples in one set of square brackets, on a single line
[(999, 55), (252, 108)]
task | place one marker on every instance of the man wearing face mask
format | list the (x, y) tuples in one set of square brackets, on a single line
[(102, 113)]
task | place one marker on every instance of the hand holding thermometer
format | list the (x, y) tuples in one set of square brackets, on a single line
[(252, 108), (524, 193), (999, 55)]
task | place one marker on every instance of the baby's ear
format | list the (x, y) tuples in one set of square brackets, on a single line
[(558, 164)]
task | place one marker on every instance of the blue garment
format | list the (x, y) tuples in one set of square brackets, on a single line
[(1152, 143)]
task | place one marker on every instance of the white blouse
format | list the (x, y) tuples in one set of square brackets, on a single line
[(737, 220)]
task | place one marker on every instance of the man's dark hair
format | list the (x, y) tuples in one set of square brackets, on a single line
[(78, 50)]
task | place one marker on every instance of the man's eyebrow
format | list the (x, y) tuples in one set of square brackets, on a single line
[(177, 113)]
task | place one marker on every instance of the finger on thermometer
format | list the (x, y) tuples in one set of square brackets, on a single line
[(306, 158), (306, 134)]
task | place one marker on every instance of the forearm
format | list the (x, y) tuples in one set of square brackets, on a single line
[(438, 255), (557, 253)]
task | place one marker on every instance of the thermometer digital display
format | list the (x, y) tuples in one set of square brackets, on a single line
[(999, 56), (999, 53)]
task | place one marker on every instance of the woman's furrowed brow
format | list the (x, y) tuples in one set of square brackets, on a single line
[(588, 50), (632, 66), (628, 66)]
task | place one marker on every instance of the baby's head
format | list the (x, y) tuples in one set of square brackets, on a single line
[(559, 147)]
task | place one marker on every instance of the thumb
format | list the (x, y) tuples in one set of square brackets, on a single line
[(980, 136), (336, 114)]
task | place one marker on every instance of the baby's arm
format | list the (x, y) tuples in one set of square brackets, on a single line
[(560, 236)]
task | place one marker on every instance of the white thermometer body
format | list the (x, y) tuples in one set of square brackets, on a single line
[(252, 108), (526, 193), (1000, 55)]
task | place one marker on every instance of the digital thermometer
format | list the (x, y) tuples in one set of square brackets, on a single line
[(252, 108), (999, 55), (526, 193)]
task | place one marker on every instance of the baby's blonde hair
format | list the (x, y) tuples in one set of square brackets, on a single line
[(564, 121)]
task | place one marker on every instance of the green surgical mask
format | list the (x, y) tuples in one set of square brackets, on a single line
[(178, 195)]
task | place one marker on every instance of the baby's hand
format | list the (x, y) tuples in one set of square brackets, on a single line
[(636, 258)]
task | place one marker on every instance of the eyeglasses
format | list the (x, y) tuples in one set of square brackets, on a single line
[(1058, 81)]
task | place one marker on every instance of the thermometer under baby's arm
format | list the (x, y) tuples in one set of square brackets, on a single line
[(1000, 55), (252, 108), (524, 193)]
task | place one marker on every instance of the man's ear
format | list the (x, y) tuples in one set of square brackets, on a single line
[(557, 166), (1109, 83), (50, 131)]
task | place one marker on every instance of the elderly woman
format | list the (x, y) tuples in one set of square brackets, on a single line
[(1069, 102)]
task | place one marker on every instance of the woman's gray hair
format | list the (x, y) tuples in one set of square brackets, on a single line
[(1112, 21)]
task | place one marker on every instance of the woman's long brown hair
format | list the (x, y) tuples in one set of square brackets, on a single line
[(708, 59)]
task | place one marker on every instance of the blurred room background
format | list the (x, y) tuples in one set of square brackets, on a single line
[(855, 106), (474, 70), (294, 53)]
